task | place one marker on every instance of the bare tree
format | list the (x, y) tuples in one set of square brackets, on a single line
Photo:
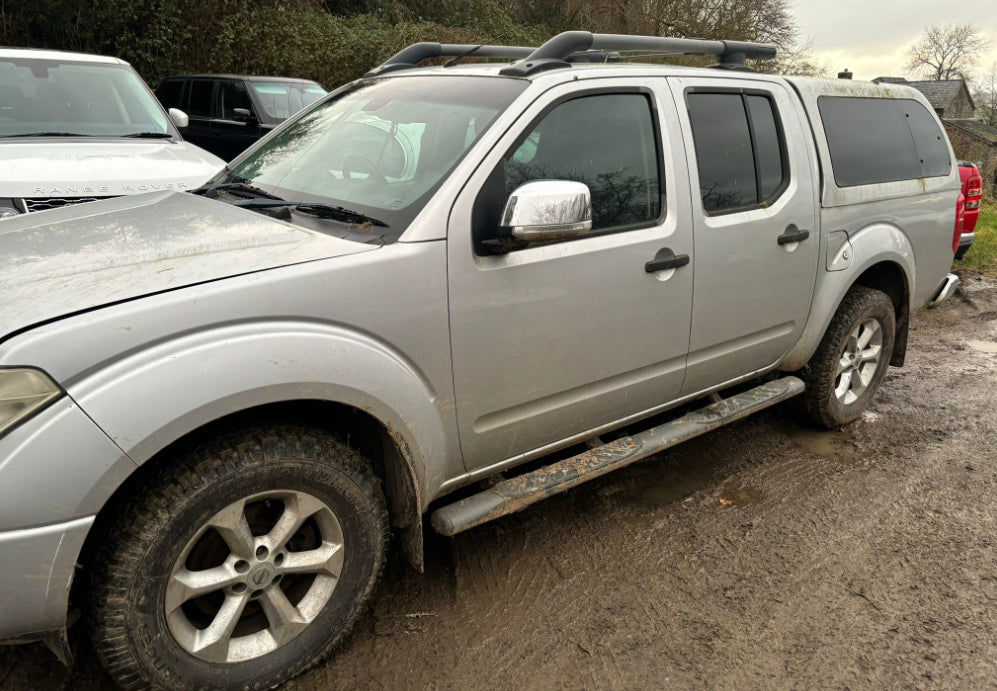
[(985, 96), (795, 60), (946, 52)]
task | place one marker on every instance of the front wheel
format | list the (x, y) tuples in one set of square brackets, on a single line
[(241, 565), (850, 363)]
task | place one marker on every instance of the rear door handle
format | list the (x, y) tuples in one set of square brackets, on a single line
[(667, 260), (793, 234)]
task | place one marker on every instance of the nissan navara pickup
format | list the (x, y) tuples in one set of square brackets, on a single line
[(216, 407)]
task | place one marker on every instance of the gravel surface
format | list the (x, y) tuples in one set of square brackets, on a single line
[(763, 555)]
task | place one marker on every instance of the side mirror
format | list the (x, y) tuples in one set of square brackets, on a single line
[(242, 115), (179, 118), (546, 210)]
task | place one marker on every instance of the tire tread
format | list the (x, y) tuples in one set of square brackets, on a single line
[(820, 386), (143, 516)]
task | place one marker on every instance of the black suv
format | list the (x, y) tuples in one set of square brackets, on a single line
[(228, 112)]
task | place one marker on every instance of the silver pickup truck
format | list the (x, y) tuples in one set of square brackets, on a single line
[(215, 408)]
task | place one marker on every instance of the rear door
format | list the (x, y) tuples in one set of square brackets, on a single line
[(754, 180), (555, 340)]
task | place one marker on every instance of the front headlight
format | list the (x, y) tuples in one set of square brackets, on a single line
[(23, 392), (9, 208)]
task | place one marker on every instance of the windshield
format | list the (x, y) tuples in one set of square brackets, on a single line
[(379, 149), (281, 100), (57, 97)]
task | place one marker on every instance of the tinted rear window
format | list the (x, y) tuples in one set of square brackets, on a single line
[(739, 150), (873, 140)]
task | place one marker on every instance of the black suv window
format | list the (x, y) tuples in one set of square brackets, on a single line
[(200, 98), (739, 149), (606, 141), (170, 92), (232, 95)]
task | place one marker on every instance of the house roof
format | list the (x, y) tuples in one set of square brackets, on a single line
[(974, 128), (941, 92)]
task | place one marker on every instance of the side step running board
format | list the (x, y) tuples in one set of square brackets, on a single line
[(519, 492)]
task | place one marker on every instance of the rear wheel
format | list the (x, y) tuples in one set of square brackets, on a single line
[(241, 565), (850, 363)]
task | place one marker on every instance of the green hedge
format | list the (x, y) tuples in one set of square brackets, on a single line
[(294, 38)]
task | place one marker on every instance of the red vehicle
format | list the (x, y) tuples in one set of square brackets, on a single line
[(972, 190)]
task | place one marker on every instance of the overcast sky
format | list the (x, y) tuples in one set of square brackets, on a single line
[(870, 37)]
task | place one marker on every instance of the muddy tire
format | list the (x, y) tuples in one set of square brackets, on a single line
[(850, 363), (240, 565)]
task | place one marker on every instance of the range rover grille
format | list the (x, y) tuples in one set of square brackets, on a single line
[(45, 203)]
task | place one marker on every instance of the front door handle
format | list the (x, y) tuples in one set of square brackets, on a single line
[(666, 260), (793, 234)]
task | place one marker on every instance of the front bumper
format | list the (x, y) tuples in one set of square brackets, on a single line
[(36, 571), (57, 470)]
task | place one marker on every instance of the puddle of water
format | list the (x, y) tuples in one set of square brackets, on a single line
[(826, 444), (986, 347), (734, 493), (657, 487)]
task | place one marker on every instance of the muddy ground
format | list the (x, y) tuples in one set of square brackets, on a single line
[(763, 555)]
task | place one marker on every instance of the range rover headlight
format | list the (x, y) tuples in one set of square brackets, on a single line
[(23, 392), (8, 209)]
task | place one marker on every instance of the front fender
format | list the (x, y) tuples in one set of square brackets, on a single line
[(875, 244), (153, 397)]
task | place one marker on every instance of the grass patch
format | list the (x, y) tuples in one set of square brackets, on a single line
[(982, 256)]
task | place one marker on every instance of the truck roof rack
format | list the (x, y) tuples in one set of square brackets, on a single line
[(581, 46), (417, 52)]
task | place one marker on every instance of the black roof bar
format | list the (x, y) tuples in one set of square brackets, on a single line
[(417, 52), (556, 52), (580, 46)]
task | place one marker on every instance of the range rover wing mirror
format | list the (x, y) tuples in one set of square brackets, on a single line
[(242, 115), (179, 118), (546, 210)]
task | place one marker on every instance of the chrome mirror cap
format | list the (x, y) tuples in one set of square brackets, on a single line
[(546, 210), (179, 118)]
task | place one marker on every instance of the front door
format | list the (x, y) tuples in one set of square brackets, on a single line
[(755, 223), (553, 341), (232, 132)]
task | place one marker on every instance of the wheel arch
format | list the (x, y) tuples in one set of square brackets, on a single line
[(891, 271), (374, 439), (888, 277)]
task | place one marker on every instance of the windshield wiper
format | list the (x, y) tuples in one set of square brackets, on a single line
[(48, 134), (236, 187), (149, 135), (330, 211)]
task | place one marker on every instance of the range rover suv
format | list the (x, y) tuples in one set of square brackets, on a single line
[(77, 128)]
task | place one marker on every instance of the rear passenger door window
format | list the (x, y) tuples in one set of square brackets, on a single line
[(740, 152)]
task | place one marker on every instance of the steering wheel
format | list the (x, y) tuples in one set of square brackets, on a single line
[(365, 164)]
